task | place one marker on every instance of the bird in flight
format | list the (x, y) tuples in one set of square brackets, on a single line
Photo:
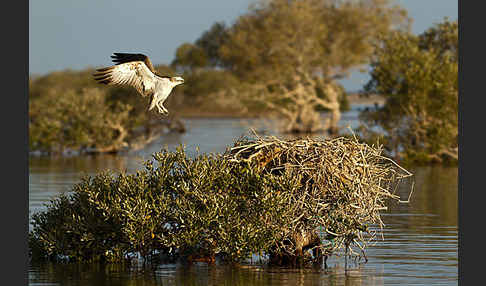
[(136, 70)]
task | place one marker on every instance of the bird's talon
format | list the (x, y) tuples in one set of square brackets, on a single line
[(164, 113)]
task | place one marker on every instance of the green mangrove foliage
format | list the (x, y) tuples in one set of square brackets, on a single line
[(252, 199), (176, 206), (69, 111), (418, 75), (72, 120), (204, 53)]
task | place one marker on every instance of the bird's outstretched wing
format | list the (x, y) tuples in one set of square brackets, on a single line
[(129, 70)]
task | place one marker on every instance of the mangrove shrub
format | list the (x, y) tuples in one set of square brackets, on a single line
[(69, 111), (265, 195), (418, 76), (175, 206)]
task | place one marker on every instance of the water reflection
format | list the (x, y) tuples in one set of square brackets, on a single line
[(199, 274), (420, 238)]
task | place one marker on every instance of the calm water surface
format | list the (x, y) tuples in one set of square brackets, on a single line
[(419, 246)]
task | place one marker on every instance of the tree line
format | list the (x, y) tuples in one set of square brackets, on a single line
[(285, 58)]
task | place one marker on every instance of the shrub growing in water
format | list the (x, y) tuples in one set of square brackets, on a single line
[(77, 120), (418, 75), (192, 207), (251, 199), (68, 110)]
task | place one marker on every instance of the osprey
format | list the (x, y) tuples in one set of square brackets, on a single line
[(136, 70)]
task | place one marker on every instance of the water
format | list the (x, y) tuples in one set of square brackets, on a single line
[(419, 246)]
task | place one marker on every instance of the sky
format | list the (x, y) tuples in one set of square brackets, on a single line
[(76, 35)]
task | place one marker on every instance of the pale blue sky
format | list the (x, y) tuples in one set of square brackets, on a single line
[(79, 34)]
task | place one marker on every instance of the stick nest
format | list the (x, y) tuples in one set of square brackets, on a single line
[(343, 187)]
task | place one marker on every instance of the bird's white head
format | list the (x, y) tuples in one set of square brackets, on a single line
[(176, 80)]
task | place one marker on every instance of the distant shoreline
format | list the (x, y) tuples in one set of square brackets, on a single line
[(194, 112)]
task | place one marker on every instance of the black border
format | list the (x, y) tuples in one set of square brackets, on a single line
[(14, 119), (471, 170)]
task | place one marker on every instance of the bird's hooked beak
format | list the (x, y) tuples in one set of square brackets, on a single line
[(177, 80)]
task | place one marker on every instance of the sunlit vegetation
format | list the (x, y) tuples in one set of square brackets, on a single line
[(69, 111), (253, 199), (291, 66), (263, 66), (418, 76)]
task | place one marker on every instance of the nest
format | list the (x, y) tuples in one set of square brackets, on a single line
[(344, 185)]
